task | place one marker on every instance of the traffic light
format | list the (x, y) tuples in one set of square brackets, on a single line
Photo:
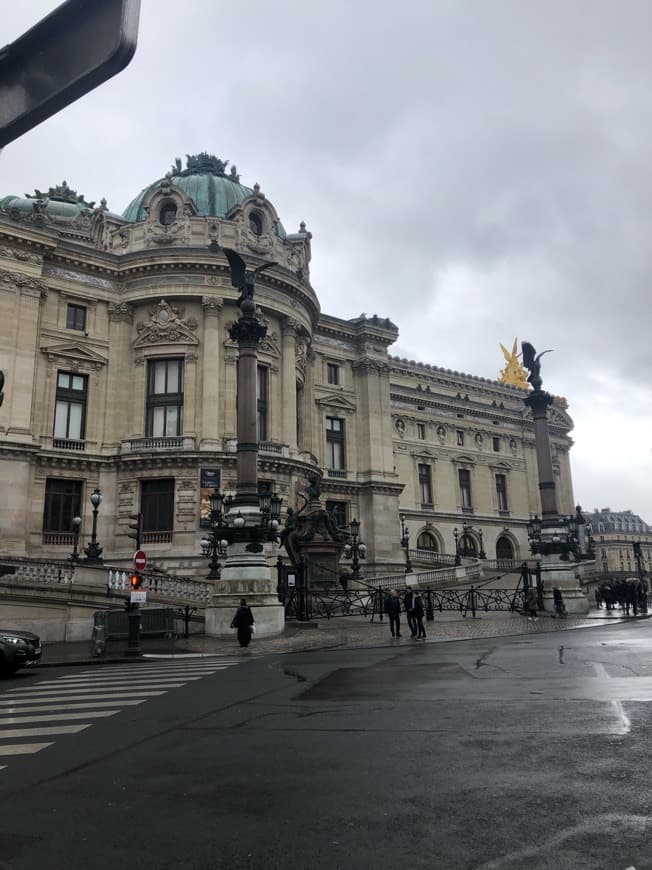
[(2, 383), (136, 525), (136, 581)]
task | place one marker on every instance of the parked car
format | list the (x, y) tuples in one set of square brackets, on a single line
[(18, 649)]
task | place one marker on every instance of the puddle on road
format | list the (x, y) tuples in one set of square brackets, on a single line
[(375, 683)]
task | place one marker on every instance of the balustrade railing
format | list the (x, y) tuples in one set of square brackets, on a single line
[(23, 570), (162, 586)]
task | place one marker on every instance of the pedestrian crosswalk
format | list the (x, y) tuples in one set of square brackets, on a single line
[(70, 704)]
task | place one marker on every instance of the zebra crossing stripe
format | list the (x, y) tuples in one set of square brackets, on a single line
[(47, 707), (30, 699), (62, 692), (22, 748), (44, 731), (56, 717)]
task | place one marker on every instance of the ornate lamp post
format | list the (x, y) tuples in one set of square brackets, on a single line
[(456, 535), (405, 544), (76, 525), (355, 550), (93, 550)]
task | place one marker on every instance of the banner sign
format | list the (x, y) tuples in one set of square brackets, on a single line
[(209, 479)]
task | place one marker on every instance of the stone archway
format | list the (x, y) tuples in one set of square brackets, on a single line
[(468, 546), (427, 541)]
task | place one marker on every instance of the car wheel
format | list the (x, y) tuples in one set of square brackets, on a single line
[(6, 669)]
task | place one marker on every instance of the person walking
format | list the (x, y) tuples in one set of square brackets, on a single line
[(532, 604), (243, 621), (418, 615), (408, 603), (558, 602), (393, 610), (598, 598)]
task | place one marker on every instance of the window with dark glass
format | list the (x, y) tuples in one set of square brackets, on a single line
[(427, 541), (333, 373), (76, 317), (421, 431), (501, 492), (157, 505), (495, 441), (255, 223), (164, 398), (262, 402), (335, 457), (504, 548), (460, 438), (168, 214), (63, 500), (70, 407), (337, 509), (464, 477), (425, 484)]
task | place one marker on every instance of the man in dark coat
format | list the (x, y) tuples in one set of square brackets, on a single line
[(418, 615), (408, 603), (393, 610), (243, 621)]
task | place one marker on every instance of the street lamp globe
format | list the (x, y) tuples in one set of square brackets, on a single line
[(96, 498)]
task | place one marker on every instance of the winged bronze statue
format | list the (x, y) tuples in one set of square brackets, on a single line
[(242, 278), (532, 364)]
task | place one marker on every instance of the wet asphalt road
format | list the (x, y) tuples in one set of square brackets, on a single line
[(510, 753)]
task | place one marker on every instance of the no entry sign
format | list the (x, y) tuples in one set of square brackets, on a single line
[(140, 560)]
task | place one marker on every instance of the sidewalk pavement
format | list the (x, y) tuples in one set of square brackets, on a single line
[(350, 632)]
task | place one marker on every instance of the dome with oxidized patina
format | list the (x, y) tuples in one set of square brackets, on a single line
[(205, 180)]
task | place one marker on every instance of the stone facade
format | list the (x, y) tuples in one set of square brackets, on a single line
[(120, 374), (614, 535)]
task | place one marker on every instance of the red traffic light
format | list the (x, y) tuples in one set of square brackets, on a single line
[(136, 581)]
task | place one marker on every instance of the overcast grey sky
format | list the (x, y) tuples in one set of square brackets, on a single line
[(474, 170)]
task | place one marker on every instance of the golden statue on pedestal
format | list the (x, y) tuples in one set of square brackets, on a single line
[(513, 373)]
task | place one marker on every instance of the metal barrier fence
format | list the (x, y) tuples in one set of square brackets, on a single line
[(304, 604)]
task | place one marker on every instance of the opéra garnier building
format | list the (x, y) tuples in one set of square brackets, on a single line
[(121, 376)]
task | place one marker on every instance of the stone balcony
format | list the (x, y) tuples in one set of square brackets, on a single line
[(158, 445)]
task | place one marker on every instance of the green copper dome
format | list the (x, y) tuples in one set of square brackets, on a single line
[(205, 181), (59, 202)]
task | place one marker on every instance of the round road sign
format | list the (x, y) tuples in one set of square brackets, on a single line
[(140, 560)]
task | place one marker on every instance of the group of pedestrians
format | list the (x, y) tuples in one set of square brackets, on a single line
[(628, 595), (532, 599), (414, 611)]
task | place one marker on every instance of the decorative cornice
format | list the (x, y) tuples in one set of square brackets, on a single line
[(166, 326), (367, 365), (21, 256)]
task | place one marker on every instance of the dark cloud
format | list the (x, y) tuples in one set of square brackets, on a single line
[(475, 171)]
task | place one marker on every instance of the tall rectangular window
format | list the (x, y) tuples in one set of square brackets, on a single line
[(501, 492), (164, 398), (333, 373), (63, 500), (157, 505), (464, 477), (70, 407), (76, 317), (262, 402), (460, 437), (335, 455), (421, 431), (425, 484), (337, 509), (495, 441)]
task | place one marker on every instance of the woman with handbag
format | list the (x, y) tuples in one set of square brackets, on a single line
[(243, 621)]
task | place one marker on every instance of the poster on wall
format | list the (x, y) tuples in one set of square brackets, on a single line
[(209, 479)]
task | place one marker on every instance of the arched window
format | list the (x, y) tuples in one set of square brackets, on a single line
[(256, 223), (168, 214), (504, 548), (467, 546), (426, 541)]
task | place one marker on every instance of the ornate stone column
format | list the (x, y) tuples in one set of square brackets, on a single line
[(289, 383), (539, 401), (119, 408), (211, 353)]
